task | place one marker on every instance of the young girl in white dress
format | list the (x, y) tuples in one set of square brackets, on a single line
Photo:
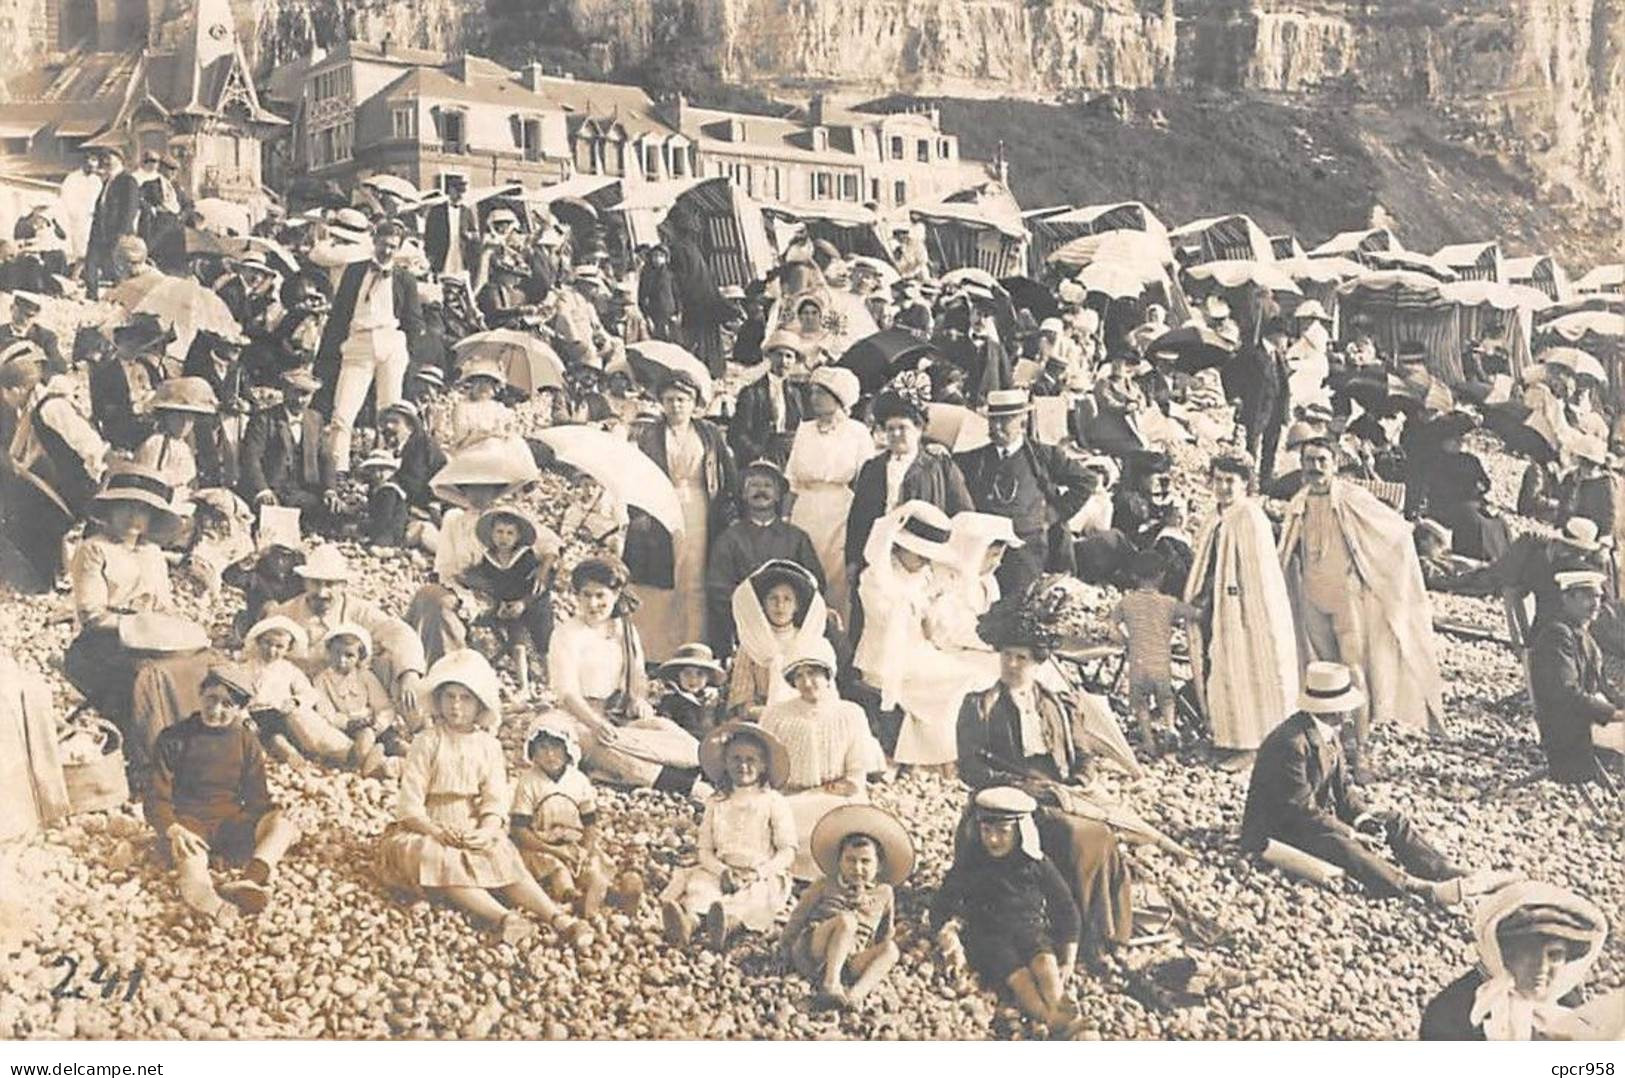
[(747, 841)]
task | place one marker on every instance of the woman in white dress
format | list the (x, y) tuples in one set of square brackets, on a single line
[(595, 667), (824, 458), (904, 555), (829, 744), (670, 570)]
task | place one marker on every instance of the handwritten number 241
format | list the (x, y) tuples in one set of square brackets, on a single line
[(102, 976)]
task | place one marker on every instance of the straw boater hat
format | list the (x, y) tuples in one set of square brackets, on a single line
[(488, 462), (1583, 534), (137, 484), (693, 657), (161, 633), (279, 623), (1003, 402), (325, 563), (430, 375), (843, 821), (468, 668), (1311, 308), (1329, 688), (816, 652), (716, 744), (839, 383), (301, 378), (190, 394), (145, 334), (1412, 352), (1580, 579), (349, 629), (379, 460), (492, 517), (349, 226)]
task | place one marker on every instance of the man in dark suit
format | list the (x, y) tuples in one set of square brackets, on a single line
[(1300, 795), (1574, 702), (1257, 378), (907, 471), (374, 326), (279, 461), (449, 221), (1036, 486), (768, 410), (759, 536), (161, 208), (118, 214), (25, 326)]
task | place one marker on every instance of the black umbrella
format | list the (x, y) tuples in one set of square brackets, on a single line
[(1028, 293), (1195, 348), (880, 355)]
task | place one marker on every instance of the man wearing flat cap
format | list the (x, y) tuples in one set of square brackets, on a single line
[(1576, 706), (1036, 486)]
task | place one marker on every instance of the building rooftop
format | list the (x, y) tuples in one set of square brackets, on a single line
[(432, 82)]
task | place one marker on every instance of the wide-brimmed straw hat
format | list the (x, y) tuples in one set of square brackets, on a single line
[(325, 563), (189, 394), (161, 633), (468, 668), (1581, 533), (140, 485), (1329, 688), (839, 383), (716, 744), (488, 462), (482, 368), (693, 657), (924, 530), (1580, 579), (888, 833), (491, 517), (1311, 308)]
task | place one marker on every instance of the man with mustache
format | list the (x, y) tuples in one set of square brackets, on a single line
[(759, 536)]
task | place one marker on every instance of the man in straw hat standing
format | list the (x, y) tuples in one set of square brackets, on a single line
[(1035, 486), (1577, 708), (376, 318), (1300, 794), (326, 603), (1357, 590)]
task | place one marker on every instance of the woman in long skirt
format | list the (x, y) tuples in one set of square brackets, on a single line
[(824, 459)]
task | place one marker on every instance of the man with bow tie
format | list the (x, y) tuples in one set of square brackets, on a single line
[(1300, 795), (365, 346)]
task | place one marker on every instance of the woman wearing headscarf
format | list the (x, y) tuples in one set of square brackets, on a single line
[(824, 459), (670, 570), (1536, 943), (778, 613)]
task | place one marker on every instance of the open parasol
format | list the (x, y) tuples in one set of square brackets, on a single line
[(653, 361), (528, 363), (1119, 280), (971, 275), (959, 428), (877, 357), (1235, 272), (223, 216), (1197, 347), (1580, 362), (619, 466), (280, 258), (402, 189), (180, 302)]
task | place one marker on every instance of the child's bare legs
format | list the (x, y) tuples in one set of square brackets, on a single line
[(521, 667), (1165, 702), (871, 965), (1040, 991), (1139, 699), (833, 940), (528, 895), (273, 836), (594, 886), (197, 888), (283, 749), (478, 903)]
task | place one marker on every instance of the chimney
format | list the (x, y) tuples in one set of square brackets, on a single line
[(671, 110), (815, 110), (1001, 165), (383, 46), (531, 75)]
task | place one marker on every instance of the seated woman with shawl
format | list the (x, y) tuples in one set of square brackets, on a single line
[(1536, 943), (778, 613), (966, 587), (907, 557), (595, 666), (829, 745)]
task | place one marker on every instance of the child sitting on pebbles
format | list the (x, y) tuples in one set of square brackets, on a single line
[(208, 796), (294, 719), (747, 841), (352, 692), (554, 823), (847, 919), (695, 678), (508, 581), (1020, 923), (450, 836)]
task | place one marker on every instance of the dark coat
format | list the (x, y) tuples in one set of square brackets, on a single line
[(657, 293), (739, 551), (408, 310), (1257, 377), (751, 432), (1048, 484), (648, 552), (1296, 789), (114, 388), (45, 339), (1571, 695), (270, 460), (932, 477), (1448, 1016), (989, 723), (437, 236), (118, 213)]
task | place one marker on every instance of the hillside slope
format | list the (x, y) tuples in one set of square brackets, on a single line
[(1311, 167)]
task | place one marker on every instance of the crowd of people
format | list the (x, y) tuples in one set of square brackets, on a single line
[(958, 558)]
